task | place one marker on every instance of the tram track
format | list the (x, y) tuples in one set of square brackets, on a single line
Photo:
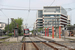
[(34, 44), (57, 44), (44, 45), (24, 46)]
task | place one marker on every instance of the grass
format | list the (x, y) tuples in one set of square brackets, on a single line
[(4, 39), (23, 39), (5, 36), (70, 39), (51, 35), (7, 43)]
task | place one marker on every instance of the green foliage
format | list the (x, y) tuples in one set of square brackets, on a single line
[(10, 34), (68, 25), (14, 24), (56, 27), (21, 34), (40, 29)]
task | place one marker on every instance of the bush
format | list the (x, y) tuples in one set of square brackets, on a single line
[(21, 34), (10, 34)]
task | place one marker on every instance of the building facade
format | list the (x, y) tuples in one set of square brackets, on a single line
[(2, 25), (68, 21), (39, 20), (34, 26), (51, 16)]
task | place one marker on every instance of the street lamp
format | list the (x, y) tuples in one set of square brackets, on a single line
[(58, 25)]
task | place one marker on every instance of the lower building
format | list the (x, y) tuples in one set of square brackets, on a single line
[(2, 25)]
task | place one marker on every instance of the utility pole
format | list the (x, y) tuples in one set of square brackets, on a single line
[(12, 26), (8, 25), (58, 25), (55, 25)]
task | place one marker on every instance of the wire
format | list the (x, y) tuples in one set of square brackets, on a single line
[(52, 2), (13, 6), (68, 3), (28, 12), (31, 25), (29, 5), (19, 9), (18, 6), (27, 17), (25, 9), (4, 13)]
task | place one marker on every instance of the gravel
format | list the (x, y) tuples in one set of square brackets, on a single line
[(10, 46), (43, 46)]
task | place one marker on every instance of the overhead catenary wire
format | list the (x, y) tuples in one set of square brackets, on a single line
[(4, 13), (52, 2), (68, 4), (31, 25), (13, 6), (8, 20), (29, 6), (27, 9), (27, 17), (17, 6), (28, 13)]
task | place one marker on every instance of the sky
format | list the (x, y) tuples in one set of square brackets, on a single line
[(34, 4)]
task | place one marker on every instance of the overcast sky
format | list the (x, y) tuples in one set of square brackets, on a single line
[(34, 4)]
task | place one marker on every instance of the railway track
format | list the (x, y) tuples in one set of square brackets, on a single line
[(43, 45), (57, 44), (32, 47), (54, 46), (24, 46)]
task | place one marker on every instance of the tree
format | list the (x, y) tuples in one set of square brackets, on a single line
[(74, 24), (40, 29), (13, 24), (68, 25)]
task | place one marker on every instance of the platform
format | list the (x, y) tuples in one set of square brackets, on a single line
[(54, 39), (14, 39)]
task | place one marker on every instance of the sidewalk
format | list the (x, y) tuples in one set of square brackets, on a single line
[(3, 37), (14, 39), (68, 37), (55, 39)]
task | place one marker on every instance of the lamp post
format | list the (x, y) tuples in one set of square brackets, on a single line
[(58, 25), (55, 25), (64, 35)]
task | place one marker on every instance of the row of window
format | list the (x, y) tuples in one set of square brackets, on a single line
[(51, 15), (51, 9), (52, 21), (52, 18), (40, 20), (48, 15), (51, 24)]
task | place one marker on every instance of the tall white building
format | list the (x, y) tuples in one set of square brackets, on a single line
[(51, 16), (34, 26), (39, 20), (68, 20)]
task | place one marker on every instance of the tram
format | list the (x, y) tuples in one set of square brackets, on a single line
[(26, 32)]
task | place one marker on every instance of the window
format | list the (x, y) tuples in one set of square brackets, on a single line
[(26, 31), (52, 9), (2, 25)]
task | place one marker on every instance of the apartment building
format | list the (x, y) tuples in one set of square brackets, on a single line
[(68, 20), (2, 25), (52, 16), (34, 26), (39, 20)]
